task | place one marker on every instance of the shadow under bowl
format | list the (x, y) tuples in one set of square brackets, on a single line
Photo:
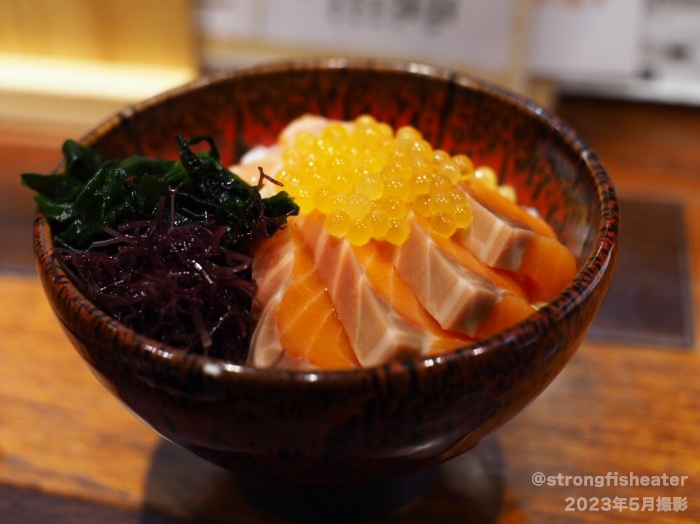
[(365, 424)]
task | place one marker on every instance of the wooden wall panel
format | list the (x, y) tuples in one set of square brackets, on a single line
[(144, 31)]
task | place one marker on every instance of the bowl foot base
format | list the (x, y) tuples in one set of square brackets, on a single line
[(337, 503)]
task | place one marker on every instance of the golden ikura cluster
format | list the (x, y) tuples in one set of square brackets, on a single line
[(366, 179)]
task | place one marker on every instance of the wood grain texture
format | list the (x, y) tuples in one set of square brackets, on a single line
[(149, 31), (22, 151), (69, 450)]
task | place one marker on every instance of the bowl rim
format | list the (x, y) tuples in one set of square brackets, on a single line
[(595, 264)]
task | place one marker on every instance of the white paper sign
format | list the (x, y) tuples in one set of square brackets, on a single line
[(440, 31), (568, 38), (584, 37)]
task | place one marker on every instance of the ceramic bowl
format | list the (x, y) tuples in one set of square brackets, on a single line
[(378, 423)]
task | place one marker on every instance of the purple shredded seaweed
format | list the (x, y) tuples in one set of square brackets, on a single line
[(188, 285)]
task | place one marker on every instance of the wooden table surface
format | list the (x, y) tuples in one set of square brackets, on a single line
[(71, 453)]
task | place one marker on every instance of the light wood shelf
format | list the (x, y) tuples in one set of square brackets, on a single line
[(72, 63)]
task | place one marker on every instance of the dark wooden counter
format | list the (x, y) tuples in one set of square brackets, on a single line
[(70, 453)]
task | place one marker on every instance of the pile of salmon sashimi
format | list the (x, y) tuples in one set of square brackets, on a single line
[(399, 250)]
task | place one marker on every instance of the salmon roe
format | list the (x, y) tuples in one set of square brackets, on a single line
[(366, 179)]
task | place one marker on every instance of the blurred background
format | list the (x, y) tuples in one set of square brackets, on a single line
[(67, 64)]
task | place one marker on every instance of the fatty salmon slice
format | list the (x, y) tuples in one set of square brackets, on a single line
[(298, 327), (548, 267), (273, 261), (512, 305), (377, 332), (506, 312), (307, 321), (494, 200), (459, 299), (467, 259), (377, 260), (497, 241), (529, 248)]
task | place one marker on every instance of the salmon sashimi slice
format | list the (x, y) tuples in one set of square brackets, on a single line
[(503, 279), (273, 259), (377, 260), (298, 327), (494, 239), (506, 312), (459, 299), (513, 303), (309, 327), (492, 199), (527, 248), (272, 268), (377, 332), (266, 349), (548, 267)]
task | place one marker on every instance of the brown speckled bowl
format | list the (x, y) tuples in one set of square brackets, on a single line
[(361, 424)]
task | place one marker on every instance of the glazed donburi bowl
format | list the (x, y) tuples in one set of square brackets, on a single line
[(370, 423)]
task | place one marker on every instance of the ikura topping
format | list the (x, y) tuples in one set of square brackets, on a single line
[(366, 179)]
